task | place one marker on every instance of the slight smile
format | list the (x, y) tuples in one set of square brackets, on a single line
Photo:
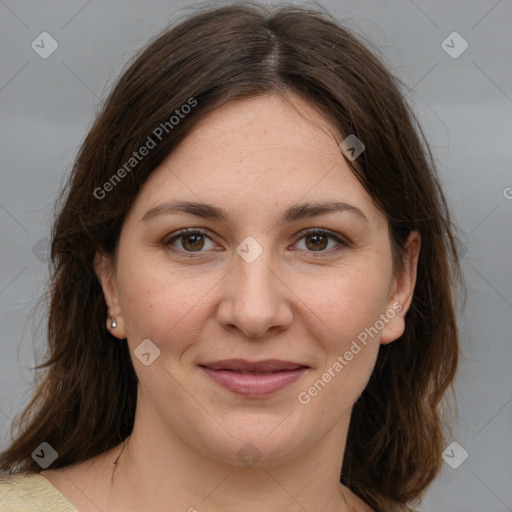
[(254, 379)]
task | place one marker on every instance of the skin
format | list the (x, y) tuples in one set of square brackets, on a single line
[(254, 158)]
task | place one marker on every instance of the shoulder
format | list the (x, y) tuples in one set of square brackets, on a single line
[(26, 492)]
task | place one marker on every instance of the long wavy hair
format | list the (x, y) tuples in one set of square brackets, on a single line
[(85, 398)]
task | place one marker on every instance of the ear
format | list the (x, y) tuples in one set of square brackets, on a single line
[(105, 270), (402, 291)]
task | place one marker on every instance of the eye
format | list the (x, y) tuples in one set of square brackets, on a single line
[(317, 240), (188, 241)]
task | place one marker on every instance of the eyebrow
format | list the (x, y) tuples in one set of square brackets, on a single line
[(294, 213)]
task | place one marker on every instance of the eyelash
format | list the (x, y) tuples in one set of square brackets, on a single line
[(196, 231)]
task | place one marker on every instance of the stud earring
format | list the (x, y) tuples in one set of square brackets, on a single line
[(113, 323)]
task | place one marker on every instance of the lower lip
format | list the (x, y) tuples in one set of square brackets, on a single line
[(254, 385)]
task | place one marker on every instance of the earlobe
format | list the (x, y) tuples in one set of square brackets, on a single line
[(105, 271), (402, 291), (393, 329)]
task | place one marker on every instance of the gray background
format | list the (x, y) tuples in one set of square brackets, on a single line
[(464, 104)]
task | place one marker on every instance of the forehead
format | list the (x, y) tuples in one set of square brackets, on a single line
[(265, 121), (257, 151)]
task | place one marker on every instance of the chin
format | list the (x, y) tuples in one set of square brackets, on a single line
[(260, 440)]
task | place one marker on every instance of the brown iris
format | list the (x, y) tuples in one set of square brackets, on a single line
[(319, 242), (192, 242)]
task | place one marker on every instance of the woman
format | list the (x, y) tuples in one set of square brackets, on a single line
[(252, 298)]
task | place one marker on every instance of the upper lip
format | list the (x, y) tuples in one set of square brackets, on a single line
[(241, 365)]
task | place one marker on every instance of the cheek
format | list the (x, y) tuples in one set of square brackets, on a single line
[(348, 302), (162, 305), (343, 312)]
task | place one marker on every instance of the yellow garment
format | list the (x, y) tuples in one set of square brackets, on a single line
[(31, 492)]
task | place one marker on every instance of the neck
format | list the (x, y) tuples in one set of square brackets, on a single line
[(153, 472)]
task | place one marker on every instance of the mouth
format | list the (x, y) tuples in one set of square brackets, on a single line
[(254, 379)]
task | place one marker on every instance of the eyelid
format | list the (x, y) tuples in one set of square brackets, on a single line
[(322, 231)]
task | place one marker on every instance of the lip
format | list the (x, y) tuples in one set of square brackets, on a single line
[(254, 378)]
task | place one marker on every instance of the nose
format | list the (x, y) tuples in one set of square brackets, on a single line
[(256, 299)]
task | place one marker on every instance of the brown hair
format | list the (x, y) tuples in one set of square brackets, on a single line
[(85, 403)]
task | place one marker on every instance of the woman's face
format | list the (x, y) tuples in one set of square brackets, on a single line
[(252, 281)]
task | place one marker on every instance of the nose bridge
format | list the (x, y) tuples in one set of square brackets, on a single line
[(255, 300), (254, 278)]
